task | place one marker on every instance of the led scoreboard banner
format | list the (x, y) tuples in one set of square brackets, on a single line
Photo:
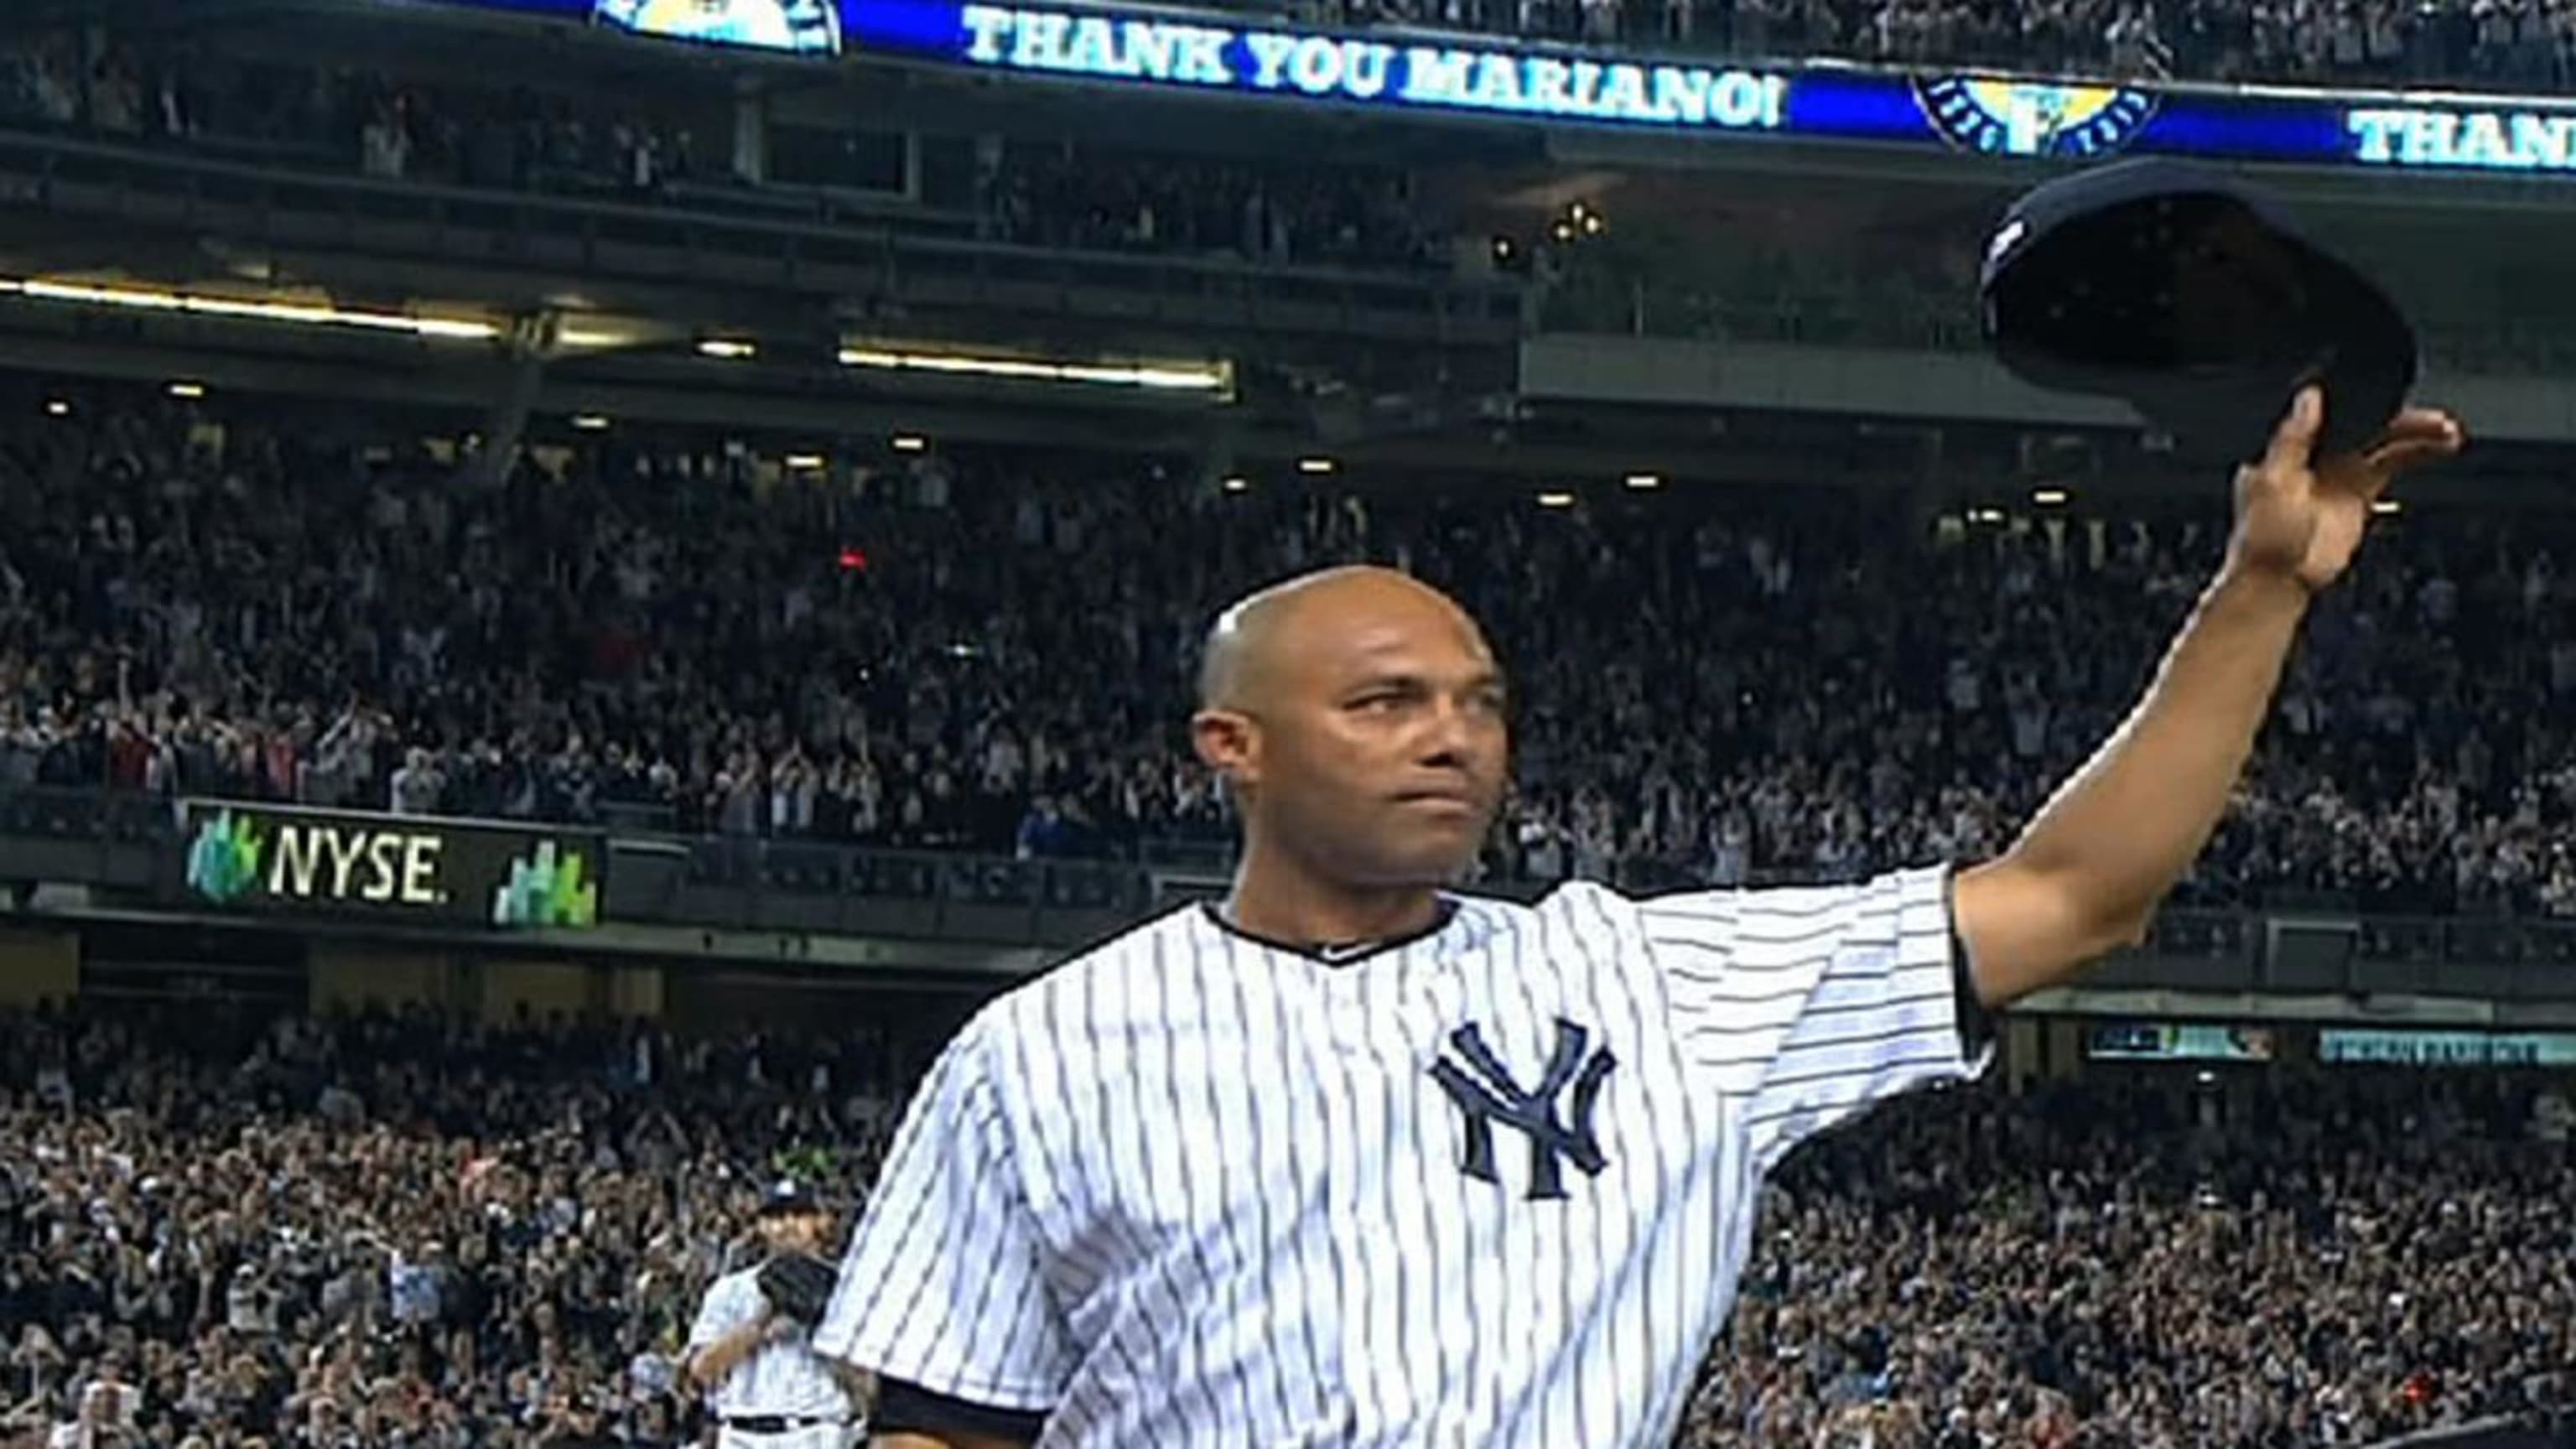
[(1980, 114), (1439, 73)]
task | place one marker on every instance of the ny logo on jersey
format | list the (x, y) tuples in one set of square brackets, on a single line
[(1491, 1096)]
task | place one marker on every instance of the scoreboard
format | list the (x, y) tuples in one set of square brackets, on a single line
[(1499, 79)]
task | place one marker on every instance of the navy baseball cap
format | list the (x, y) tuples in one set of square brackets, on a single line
[(787, 1195), (2195, 298)]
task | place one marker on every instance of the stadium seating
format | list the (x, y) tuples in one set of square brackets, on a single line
[(391, 1233), (412, 1233), (2160, 1262), (687, 655)]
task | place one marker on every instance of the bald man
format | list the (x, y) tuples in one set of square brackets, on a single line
[(1354, 1159)]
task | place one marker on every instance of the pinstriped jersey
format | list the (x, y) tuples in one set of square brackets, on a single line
[(778, 1378), (1490, 1186)]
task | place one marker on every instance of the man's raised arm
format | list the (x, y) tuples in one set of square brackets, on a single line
[(2089, 872)]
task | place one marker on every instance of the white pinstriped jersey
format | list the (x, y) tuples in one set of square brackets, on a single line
[(1192, 1189), (778, 1378)]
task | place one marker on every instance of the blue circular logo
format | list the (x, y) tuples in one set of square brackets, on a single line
[(2032, 118)]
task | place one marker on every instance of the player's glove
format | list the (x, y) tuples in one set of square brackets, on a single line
[(798, 1286)]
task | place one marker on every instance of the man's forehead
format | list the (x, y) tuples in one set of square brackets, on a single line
[(1421, 641), (1331, 622)]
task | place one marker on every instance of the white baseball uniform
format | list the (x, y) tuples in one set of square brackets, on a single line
[(782, 1396), (1491, 1185)]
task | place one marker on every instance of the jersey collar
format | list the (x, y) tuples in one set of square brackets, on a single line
[(1336, 953)]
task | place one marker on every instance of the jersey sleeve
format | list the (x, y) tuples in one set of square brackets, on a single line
[(1810, 1005), (944, 1284), (718, 1314)]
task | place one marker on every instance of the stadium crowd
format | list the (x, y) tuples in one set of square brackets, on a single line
[(389, 1231), (995, 652), (139, 88), (410, 1232), (2273, 1261), (1067, 196)]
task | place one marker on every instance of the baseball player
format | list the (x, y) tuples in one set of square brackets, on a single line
[(1351, 1160), (752, 1354)]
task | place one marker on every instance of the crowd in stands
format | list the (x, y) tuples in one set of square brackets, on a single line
[(412, 1232), (995, 651), (1049, 193), (1066, 196), (390, 1231), (2277, 1261), (135, 88)]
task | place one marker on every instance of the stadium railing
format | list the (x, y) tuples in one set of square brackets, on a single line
[(922, 256), (133, 843)]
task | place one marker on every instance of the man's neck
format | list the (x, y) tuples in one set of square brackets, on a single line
[(1275, 901)]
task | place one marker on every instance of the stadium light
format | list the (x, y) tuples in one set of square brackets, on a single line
[(590, 422), (2385, 506), (1643, 481), (2048, 497), (58, 408), (1556, 500), (910, 443), (1316, 467), (730, 349), (254, 309), (1207, 377), (1985, 515), (592, 338), (188, 391), (1237, 484), (805, 462)]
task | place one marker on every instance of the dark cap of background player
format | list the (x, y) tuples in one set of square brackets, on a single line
[(792, 1218), (1356, 716), (787, 1196)]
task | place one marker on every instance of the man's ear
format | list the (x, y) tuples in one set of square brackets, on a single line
[(1228, 743)]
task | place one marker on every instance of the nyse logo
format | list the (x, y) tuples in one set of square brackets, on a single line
[(551, 887), (2032, 118), (342, 864)]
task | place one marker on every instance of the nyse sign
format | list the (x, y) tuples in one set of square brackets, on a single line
[(1342, 68), (2468, 140), (254, 856), (338, 863)]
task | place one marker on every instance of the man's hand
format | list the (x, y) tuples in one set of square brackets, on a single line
[(2301, 519), (716, 1362)]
